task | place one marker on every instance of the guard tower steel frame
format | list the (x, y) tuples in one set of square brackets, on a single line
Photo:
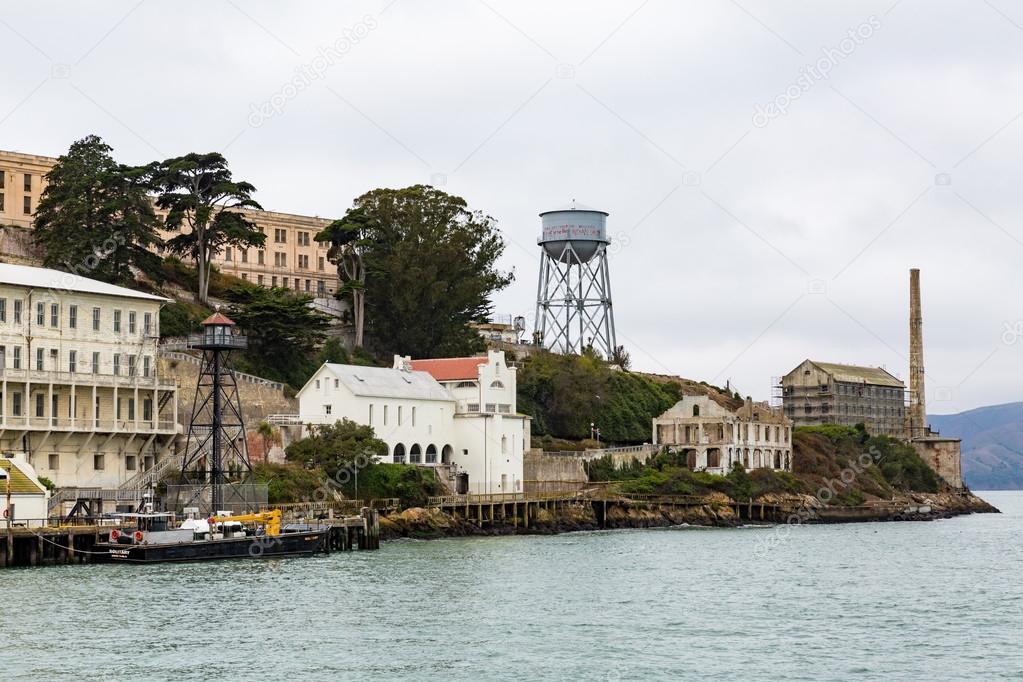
[(216, 432), (573, 295)]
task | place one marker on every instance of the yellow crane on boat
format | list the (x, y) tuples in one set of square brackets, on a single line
[(271, 520)]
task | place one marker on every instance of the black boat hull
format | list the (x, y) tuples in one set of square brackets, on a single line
[(255, 547)]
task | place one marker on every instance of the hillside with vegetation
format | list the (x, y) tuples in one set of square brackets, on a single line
[(852, 465)]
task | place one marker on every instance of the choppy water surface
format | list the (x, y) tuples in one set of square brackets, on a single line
[(868, 601)]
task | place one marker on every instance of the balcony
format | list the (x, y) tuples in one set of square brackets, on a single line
[(62, 424), (36, 376)]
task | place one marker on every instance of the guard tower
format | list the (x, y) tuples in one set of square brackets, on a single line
[(573, 296), (216, 433)]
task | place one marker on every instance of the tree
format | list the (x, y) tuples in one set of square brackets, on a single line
[(339, 449), (95, 216), (429, 269), (271, 436), (346, 237), (199, 192), (283, 330)]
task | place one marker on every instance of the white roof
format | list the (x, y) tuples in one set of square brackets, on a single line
[(45, 278), (384, 382)]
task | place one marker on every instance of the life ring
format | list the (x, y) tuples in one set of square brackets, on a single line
[(138, 536), (114, 534), (7, 512)]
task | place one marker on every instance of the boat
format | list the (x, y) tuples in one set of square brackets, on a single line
[(155, 539)]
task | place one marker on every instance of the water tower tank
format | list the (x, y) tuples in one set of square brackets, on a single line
[(574, 233)]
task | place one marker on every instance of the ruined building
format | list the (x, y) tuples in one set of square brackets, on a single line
[(816, 393), (713, 437)]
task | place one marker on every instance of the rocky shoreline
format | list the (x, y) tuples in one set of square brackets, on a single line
[(718, 511)]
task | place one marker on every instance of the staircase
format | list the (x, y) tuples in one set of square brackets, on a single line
[(151, 476)]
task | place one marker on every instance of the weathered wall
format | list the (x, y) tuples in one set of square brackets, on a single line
[(944, 456), (258, 401), (548, 473)]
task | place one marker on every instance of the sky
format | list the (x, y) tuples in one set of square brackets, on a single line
[(772, 169)]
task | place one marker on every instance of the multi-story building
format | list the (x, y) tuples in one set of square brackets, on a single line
[(713, 437), (291, 257), (81, 398), (458, 412), (817, 393)]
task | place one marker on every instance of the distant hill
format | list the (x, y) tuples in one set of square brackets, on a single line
[(992, 444)]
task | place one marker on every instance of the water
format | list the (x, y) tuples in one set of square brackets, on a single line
[(936, 600)]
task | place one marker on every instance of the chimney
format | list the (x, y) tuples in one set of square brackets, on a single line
[(917, 406)]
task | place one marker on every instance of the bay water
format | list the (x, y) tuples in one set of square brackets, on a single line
[(908, 600)]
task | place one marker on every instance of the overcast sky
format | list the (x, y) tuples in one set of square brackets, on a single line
[(772, 169)]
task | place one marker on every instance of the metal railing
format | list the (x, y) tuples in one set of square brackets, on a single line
[(168, 426), (498, 498), (86, 380), (249, 378)]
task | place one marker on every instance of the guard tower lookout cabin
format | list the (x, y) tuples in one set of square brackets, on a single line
[(216, 432)]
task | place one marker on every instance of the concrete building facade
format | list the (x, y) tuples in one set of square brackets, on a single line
[(816, 393), (291, 257), (713, 437), (81, 396), (458, 412)]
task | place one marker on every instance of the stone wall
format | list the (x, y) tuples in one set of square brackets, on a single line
[(550, 473), (944, 456)]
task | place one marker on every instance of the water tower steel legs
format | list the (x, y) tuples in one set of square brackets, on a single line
[(573, 296)]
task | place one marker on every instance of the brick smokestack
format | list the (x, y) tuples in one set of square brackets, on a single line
[(917, 404)]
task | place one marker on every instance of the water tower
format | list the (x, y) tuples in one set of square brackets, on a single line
[(573, 297)]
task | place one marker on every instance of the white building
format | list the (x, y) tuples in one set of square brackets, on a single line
[(713, 437), (80, 395), (28, 496), (458, 412)]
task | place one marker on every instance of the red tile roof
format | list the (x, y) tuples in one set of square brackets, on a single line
[(450, 369), (217, 318)]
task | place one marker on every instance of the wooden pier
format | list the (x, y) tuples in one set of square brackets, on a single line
[(52, 545)]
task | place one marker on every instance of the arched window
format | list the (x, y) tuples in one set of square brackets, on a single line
[(445, 454), (415, 454), (431, 454), (496, 384), (696, 410), (466, 384), (399, 454)]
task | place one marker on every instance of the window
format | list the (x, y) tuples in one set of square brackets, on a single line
[(95, 364), (131, 321), (40, 355), (319, 263), (97, 462), (131, 409), (54, 315), (327, 409), (40, 405), (260, 256), (40, 314), (95, 319), (3, 309), (280, 236), (303, 261), (145, 366), (1, 196), (303, 239), (308, 285), (117, 321), (16, 403), (17, 311), (131, 365), (280, 259), (273, 281), (147, 409), (17, 357), (317, 383), (399, 415), (320, 287), (28, 182), (285, 282), (72, 317), (337, 383), (147, 324), (117, 364), (245, 255), (227, 254), (371, 414), (413, 415), (259, 280), (26, 206), (130, 462), (385, 415), (3, 177), (54, 462), (72, 360)]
